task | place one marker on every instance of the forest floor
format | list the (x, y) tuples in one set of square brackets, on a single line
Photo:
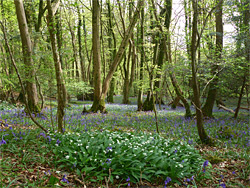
[(30, 158)]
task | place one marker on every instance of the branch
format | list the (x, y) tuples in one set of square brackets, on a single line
[(202, 93), (204, 24)]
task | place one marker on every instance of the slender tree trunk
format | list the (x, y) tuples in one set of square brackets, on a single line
[(79, 35), (208, 107), (59, 36), (140, 92), (112, 52), (61, 89), (27, 57), (199, 117)]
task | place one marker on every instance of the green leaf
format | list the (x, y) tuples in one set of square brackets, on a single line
[(53, 180)]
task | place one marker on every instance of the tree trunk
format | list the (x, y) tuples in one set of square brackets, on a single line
[(97, 103), (61, 89), (126, 80), (112, 52), (27, 57), (79, 35), (140, 93), (199, 117), (207, 109)]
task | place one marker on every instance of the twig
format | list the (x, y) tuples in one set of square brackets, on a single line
[(203, 91)]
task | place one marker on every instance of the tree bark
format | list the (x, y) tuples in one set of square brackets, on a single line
[(61, 89), (27, 57), (96, 57)]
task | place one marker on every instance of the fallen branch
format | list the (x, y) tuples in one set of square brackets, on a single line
[(225, 108), (245, 108)]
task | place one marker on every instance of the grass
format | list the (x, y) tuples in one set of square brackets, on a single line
[(89, 153)]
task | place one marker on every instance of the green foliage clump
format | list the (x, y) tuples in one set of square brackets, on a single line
[(226, 132), (5, 105), (139, 156), (78, 88), (214, 159)]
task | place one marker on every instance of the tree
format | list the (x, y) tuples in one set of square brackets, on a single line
[(207, 109), (100, 93), (27, 57), (199, 117), (167, 50), (61, 90), (246, 33)]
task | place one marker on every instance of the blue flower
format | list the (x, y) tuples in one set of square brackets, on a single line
[(3, 142), (168, 179), (64, 179), (204, 166), (108, 161), (58, 141), (223, 185), (49, 138), (128, 179)]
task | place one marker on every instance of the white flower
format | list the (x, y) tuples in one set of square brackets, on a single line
[(117, 177), (87, 147), (144, 154), (67, 157), (56, 144), (58, 172)]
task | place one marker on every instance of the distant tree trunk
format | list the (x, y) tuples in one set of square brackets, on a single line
[(27, 57), (199, 117), (125, 99), (134, 56), (140, 93), (61, 89), (209, 104), (59, 36), (112, 52), (79, 35), (75, 69)]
